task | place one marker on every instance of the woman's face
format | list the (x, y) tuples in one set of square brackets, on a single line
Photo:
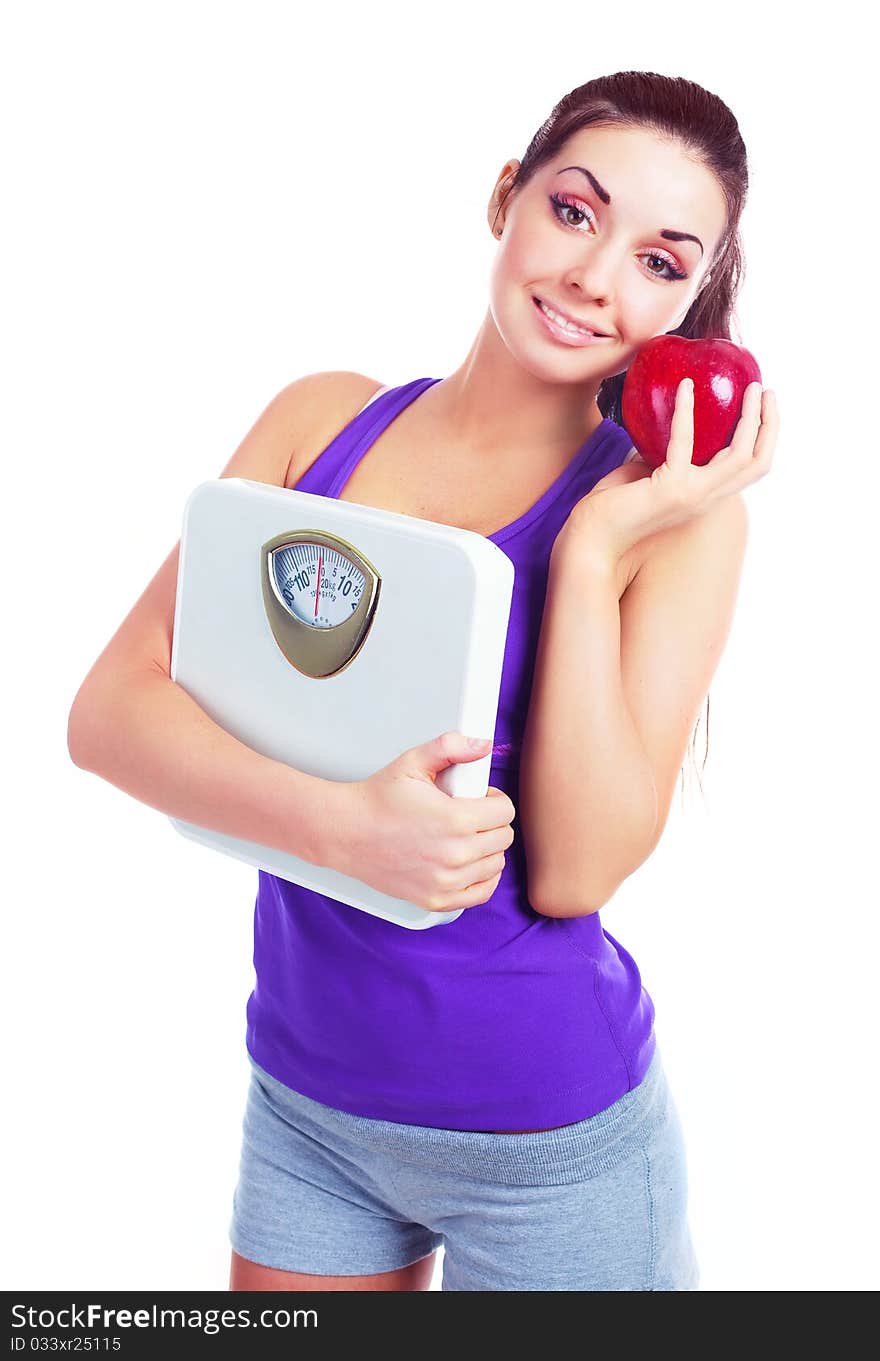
[(606, 264)]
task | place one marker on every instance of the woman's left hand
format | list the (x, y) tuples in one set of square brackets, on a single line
[(635, 500)]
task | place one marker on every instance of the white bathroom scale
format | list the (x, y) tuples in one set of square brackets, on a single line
[(334, 637)]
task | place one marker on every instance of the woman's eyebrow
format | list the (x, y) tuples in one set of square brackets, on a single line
[(606, 198)]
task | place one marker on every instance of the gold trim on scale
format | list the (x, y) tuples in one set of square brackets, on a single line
[(315, 652)]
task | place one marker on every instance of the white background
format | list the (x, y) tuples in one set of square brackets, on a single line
[(195, 194)]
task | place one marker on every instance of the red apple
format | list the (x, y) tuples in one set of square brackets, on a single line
[(721, 372)]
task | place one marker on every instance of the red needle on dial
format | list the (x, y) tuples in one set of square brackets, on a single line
[(318, 586)]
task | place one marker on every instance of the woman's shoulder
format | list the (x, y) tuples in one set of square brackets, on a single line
[(327, 401), (331, 394)]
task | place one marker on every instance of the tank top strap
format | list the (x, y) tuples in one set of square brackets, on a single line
[(332, 468)]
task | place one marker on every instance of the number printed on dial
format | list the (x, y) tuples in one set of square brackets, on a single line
[(317, 584)]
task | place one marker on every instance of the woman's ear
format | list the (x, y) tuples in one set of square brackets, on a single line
[(502, 186)]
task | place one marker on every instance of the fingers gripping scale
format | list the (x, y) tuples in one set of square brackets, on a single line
[(333, 637)]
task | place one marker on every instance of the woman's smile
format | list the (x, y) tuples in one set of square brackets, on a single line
[(567, 335)]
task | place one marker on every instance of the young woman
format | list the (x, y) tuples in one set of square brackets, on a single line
[(494, 1084)]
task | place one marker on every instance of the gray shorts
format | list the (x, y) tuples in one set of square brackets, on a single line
[(596, 1205)]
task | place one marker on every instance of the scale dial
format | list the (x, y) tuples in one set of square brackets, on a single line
[(318, 584), (320, 596)]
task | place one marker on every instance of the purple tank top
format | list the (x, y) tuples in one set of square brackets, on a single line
[(502, 1019)]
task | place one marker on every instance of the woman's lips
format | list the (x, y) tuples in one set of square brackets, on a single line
[(577, 338)]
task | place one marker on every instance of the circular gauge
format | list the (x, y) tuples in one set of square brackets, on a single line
[(320, 596), (318, 584)]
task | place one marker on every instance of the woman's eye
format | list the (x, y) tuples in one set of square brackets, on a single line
[(562, 206)]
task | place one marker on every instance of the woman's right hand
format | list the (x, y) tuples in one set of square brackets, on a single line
[(399, 833)]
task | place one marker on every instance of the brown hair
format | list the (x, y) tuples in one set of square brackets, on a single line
[(680, 110)]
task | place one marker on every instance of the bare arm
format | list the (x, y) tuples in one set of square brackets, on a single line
[(135, 727), (586, 792), (148, 736), (622, 671)]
